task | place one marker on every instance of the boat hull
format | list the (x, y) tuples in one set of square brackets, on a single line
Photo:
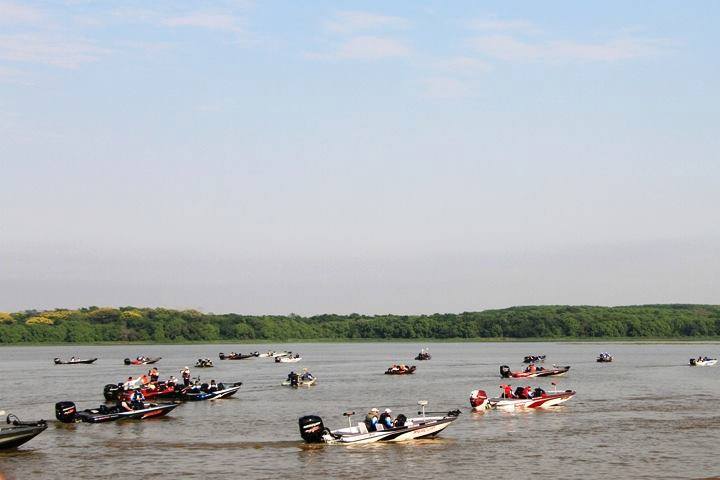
[(415, 428), (546, 401), (547, 372), (88, 361), (703, 363), (14, 436), (302, 383)]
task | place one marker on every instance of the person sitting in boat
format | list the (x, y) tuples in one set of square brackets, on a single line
[(72, 359), (307, 376), (137, 401), (538, 393), (507, 391), (386, 419), (172, 381), (371, 419), (212, 387), (140, 358), (531, 368), (154, 374)]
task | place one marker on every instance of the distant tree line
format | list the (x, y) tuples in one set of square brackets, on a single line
[(128, 324)]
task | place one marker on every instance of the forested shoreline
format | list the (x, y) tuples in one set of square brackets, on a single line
[(131, 324)]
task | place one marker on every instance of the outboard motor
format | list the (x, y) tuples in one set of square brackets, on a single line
[(127, 361), (311, 428), (478, 398), (111, 391), (693, 362), (65, 412), (504, 371)]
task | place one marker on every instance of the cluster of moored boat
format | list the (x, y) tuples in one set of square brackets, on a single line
[(132, 399)]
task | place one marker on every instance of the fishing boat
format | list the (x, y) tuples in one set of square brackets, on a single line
[(74, 361), (703, 362), (534, 358), (288, 358), (536, 372), (18, 432), (423, 355), (204, 363), (237, 356), (604, 358), (300, 383), (200, 393), (67, 412), (273, 354), (312, 429), (401, 370), (142, 360), (479, 400), (151, 391)]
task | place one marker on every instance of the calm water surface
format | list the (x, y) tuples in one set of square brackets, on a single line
[(647, 415)]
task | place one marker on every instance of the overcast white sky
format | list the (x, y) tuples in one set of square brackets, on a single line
[(371, 157)]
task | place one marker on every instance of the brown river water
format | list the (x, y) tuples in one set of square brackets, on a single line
[(647, 415)]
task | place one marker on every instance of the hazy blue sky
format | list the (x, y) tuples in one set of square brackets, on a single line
[(378, 156)]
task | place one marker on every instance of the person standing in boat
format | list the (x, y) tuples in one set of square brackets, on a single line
[(371, 419), (128, 385), (185, 372)]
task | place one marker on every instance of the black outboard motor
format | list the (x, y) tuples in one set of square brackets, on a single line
[(505, 371), (112, 391), (311, 428), (127, 361), (693, 362), (66, 412)]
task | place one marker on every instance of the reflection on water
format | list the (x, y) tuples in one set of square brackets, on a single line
[(642, 416)]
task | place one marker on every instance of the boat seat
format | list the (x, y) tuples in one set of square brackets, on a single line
[(362, 428), (379, 427)]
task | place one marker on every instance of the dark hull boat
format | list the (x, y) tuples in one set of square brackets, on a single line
[(198, 394), (145, 361), (407, 371), (59, 361), (540, 372), (17, 432), (66, 412), (238, 356)]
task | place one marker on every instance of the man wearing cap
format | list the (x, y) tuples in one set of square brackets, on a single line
[(371, 419), (386, 419)]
